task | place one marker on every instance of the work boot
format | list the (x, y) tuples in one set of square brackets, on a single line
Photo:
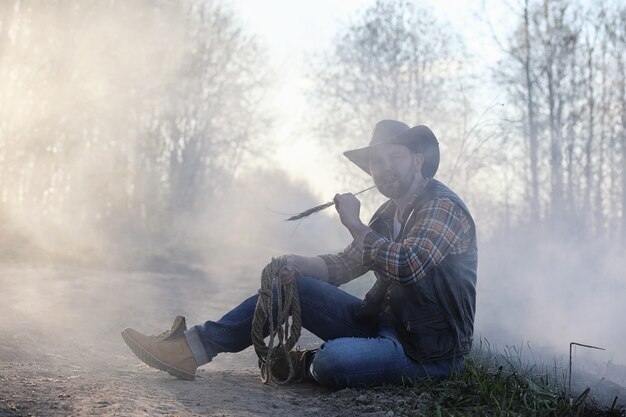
[(168, 351), (301, 360), (177, 330)]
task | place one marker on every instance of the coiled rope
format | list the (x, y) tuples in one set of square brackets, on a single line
[(283, 334)]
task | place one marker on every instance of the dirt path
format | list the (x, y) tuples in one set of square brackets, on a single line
[(55, 385), (61, 352)]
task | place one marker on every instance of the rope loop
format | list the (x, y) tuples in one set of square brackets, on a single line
[(283, 333)]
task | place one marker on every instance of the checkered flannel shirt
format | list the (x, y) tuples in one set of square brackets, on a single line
[(441, 228)]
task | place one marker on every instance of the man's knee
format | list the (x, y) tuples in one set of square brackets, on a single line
[(329, 364)]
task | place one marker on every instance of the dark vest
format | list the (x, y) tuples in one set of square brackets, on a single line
[(433, 317)]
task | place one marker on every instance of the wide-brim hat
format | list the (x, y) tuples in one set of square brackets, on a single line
[(419, 139)]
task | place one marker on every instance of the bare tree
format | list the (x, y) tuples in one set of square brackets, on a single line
[(394, 61), (559, 61), (121, 118), (214, 112), (533, 145), (519, 74), (617, 36)]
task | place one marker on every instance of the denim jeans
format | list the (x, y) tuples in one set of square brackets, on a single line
[(352, 355)]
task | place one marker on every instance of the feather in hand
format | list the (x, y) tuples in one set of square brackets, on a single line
[(315, 209)]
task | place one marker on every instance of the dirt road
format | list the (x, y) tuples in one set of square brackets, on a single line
[(61, 352)]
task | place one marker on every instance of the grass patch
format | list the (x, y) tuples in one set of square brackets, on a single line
[(496, 385)]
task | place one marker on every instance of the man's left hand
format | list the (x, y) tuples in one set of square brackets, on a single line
[(349, 208)]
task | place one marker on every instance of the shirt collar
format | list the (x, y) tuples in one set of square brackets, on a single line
[(416, 201), (388, 211)]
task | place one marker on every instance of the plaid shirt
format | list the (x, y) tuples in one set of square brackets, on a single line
[(441, 228)]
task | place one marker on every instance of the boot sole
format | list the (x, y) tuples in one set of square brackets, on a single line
[(150, 360)]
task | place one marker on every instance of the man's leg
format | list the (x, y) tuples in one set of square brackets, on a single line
[(326, 312), (368, 362)]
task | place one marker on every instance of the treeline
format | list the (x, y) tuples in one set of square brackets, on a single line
[(121, 122), (538, 141), (127, 122), (565, 77)]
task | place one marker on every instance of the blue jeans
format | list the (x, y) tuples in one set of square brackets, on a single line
[(352, 355)]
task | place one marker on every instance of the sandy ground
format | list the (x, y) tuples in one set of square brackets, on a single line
[(61, 352)]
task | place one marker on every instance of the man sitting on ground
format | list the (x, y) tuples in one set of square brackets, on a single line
[(416, 321)]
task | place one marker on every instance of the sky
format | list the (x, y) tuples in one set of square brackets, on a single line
[(291, 31)]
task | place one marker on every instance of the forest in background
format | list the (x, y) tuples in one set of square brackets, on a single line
[(138, 134), (536, 140), (128, 122)]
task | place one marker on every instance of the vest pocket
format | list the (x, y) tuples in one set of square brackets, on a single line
[(431, 336)]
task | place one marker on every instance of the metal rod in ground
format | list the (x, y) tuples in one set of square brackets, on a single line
[(570, 361), (315, 209)]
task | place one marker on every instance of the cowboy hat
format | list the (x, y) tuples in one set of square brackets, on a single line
[(419, 139)]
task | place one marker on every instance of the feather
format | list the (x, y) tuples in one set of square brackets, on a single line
[(315, 209)]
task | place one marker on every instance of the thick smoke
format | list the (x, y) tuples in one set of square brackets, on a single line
[(86, 181)]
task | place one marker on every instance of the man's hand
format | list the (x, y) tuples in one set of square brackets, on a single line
[(349, 209), (297, 266), (289, 272)]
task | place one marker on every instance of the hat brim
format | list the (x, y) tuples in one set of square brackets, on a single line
[(360, 157), (419, 138)]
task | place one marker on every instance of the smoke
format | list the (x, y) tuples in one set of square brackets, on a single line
[(538, 292), (87, 180), (119, 118), (74, 77), (124, 125)]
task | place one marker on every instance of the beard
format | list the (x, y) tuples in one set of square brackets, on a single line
[(394, 186)]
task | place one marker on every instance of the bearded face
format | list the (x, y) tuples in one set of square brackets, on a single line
[(394, 169)]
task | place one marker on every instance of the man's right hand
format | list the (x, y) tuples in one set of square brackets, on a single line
[(288, 272), (296, 265)]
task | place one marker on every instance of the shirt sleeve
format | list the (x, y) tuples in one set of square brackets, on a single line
[(345, 265), (442, 227)]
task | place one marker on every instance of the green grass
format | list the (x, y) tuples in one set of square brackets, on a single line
[(497, 385)]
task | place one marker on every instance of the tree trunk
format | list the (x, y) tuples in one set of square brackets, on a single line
[(622, 85), (533, 147), (588, 171), (599, 194), (572, 119)]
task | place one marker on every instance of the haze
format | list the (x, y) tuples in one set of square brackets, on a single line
[(175, 137)]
